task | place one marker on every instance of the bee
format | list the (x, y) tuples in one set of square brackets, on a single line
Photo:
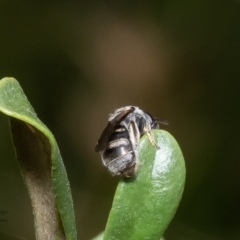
[(118, 142)]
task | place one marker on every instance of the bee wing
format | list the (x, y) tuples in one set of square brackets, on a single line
[(106, 134)]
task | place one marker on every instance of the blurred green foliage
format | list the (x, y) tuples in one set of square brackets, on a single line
[(179, 60)]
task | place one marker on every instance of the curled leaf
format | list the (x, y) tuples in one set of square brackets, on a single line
[(41, 165)]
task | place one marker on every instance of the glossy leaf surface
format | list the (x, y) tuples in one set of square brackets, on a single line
[(144, 206)]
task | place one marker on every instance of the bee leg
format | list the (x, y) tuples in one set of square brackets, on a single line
[(134, 134), (151, 139)]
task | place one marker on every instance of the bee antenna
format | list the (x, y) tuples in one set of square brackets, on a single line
[(163, 122)]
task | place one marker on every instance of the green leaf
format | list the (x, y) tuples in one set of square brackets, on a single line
[(99, 236), (41, 165), (144, 206)]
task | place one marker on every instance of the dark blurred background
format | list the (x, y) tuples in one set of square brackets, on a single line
[(79, 60)]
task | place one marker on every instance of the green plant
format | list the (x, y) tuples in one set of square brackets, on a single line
[(40, 164), (142, 207)]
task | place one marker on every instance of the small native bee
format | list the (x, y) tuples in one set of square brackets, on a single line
[(119, 140)]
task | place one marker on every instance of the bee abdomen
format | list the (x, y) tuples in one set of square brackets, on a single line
[(119, 165), (118, 143), (118, 154), (115, 149)]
